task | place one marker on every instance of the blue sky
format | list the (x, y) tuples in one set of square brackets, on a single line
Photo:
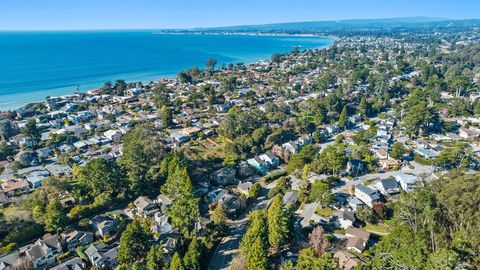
[(130, 14)]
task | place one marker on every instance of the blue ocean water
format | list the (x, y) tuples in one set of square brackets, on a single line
[(34, 65)]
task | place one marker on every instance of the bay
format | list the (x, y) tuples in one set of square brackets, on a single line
[(34, 65)]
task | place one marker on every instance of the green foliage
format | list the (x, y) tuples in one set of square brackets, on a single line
[(458, 155), (31, 131), (278, 222), (332, 159), (218, 215), (238, 122), (305, 156), (134, 243), (307, 260), (143, 147), (55, 216), (342, 120), (257, 257), (100, 175), (167, 117), (253, 192), (257, 229), (176, 262), (192, 256), (178, 187), (320, 192), (398, 150), (155, 260)]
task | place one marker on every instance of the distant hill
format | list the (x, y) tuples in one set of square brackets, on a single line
[(341, 25)]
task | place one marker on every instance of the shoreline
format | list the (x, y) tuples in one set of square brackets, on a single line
[(170, 77)]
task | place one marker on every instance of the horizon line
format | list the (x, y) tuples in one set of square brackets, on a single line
[(437, 19)]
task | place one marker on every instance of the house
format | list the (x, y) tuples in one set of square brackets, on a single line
[(426, 153), (345, 218), (58, 170), (163, 201), (244, 188), (389, 164), (346, 260), (381, 153), (11, 187), (113, 135), (332, 129), (103, 224), (144, 206), (11, 261), (224, 176), (357, 239), (162, 223), (290, 198), (407, 181), (75, 238), (469, 133), (102, 256), (74, 263), (43, 252), (366, 195), (387, 186), (291, 147), (36, 177), (355, 166), (259, 164), (271, 159)]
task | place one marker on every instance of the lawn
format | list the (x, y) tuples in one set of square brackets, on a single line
[(379, 229), (324, 212)]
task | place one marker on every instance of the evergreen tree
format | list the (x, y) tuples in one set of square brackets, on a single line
[(167, 117), (155, 258), (363, 107), (133, 243), (192, 257), (278, 219), (176, 262), (218, 215), (342, 120), (55, 216), (257, 256)]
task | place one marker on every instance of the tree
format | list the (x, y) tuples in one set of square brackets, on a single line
[(100, 175), (307, 260), (218, 215), (319, 241), (321, 193), (31, 131), (288, 265), (176, 262), (342, 120), (257, 256), (167, 117), (155, 259), (454, 157), (6, 129), (192, 257), (363, 107), (256, 229), (366, 215), (398, 150), (133, 243), (211, 63), (55, 216), (278, 220), (120, 87), (143, 148)]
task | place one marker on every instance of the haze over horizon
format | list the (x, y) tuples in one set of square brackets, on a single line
[(150, 14)]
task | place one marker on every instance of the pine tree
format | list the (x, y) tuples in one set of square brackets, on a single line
[(167, 117), (257, 256), (342, 120), (278, 219), (257, 228), (363, 107), (176, 262), (191, 259), (133, 243), (155, 258), (55, 216), (218, 215)]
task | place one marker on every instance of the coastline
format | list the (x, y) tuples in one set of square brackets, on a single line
[(146, 78)]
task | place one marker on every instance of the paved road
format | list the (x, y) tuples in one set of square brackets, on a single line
[(228, 247)]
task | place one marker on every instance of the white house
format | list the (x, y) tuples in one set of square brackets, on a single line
[(366, 195)]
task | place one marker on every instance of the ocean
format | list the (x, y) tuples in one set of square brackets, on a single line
[(34, 65)]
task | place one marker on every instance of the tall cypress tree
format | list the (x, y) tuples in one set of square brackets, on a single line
[(278, 218)]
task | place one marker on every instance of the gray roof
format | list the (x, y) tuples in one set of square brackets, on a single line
[(389, 183)]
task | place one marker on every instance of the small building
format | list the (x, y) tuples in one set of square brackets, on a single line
[(357, 239), (43, 252), (347, 260), (74, 263), (259, 164), (224, 176), (366, 195), (103, 224), (244, 188), (407, 181), (387, 186), (102, 256), (144, 206), (113, 135), (345, 218)]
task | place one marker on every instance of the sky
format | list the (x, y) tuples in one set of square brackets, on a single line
[(168, 14)]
